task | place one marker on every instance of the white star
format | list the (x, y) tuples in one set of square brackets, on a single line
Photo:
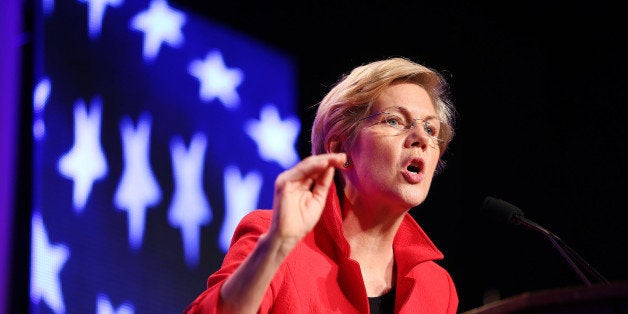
[(85, 162), (241, 196), (159, 23), (95, 14), (275, 138), (189, 208), (40, 99), (46, 263), (138, 188), (217, 81), (104, 306)]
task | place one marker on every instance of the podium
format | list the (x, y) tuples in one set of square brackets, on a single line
[(609, 298)]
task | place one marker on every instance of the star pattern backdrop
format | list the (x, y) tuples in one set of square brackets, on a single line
[(155, 130)]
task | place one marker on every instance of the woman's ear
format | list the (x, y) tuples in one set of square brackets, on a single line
[(335, 147)]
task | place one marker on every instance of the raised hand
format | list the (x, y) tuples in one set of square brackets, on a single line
[(300, 195)]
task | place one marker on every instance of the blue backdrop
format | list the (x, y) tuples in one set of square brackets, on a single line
[(155, 131)]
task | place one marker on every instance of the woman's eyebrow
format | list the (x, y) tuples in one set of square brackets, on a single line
[(407, 113)]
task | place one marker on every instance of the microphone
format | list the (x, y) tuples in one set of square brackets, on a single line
[(508, 213)]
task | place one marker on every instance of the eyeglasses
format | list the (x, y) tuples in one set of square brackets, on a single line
[(400, 120)]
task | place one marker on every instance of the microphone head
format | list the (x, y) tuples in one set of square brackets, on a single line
[(502, 210)]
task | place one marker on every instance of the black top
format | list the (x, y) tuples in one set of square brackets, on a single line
[(384, 304)]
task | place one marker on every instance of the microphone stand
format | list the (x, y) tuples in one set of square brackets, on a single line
[(567, 252)]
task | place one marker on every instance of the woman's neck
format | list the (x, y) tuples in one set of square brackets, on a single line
[(370, 236), (370, 223)]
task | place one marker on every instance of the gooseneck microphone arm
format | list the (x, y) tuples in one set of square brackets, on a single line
[(557, 243), (512, 214)]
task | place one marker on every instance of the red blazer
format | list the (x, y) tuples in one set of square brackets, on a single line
[(319, 277)]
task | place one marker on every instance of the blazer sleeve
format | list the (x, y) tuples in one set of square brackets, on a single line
[(244, 240)]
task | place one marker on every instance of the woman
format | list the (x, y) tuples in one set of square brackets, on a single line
[(339, 238)]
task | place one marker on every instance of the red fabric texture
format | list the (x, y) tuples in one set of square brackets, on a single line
[(319, 277)]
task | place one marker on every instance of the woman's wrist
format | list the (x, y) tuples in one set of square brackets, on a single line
[(280, 245)]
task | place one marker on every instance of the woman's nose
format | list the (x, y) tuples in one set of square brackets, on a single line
[(417, 136)]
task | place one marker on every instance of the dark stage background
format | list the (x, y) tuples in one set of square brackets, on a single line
[(541, 90), (540, 87)]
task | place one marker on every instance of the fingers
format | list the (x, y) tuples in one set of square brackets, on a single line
[(314, 168), (300, 194), (321, 185)]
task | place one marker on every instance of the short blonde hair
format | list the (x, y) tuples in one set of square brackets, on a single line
[(339, 113)]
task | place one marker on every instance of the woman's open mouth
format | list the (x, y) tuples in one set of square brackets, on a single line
[(413, 172)]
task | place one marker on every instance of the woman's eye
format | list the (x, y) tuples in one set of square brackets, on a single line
[(430, 129), (393, 121)]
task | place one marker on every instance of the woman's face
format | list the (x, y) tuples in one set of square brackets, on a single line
[(392, 165)]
